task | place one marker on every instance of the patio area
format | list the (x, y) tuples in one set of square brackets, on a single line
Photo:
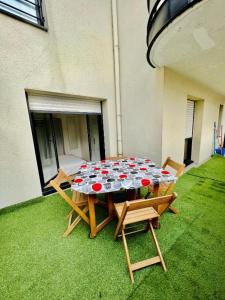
[(36, 262)]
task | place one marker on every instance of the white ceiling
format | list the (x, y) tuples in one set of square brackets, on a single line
[(194, 44)]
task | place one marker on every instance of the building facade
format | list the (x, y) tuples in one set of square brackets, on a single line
[(76, 86)]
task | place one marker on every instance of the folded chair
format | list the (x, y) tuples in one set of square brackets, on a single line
[(142, 210), (166, 189), (78, 202), (114, 157), (177, 167)]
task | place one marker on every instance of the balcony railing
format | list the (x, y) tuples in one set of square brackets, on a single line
[(161, 15)]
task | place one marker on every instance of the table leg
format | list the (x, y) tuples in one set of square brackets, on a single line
[(131, 194), (156, 190), (110, 205), (91, 206)]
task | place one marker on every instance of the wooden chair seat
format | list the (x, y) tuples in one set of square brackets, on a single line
[(134, 216)]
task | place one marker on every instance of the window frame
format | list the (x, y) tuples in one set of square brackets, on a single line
[(20, 18)]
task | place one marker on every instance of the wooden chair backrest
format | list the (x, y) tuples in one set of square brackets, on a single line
[(114, 157), (179, 168), (63, 177), (144, 203), (58, 180)]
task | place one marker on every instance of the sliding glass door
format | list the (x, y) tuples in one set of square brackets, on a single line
[(65, 141), (46, 150)]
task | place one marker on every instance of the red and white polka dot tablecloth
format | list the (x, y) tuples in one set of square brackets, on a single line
[(109, 175)]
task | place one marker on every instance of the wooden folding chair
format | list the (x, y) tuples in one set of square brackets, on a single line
[(114, 157), (78, 200), (142, 210), (164, 188), (179, 168)]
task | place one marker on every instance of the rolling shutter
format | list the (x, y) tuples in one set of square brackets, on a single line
[(52, 104), (189, 118)]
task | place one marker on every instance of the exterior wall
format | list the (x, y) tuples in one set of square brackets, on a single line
[(75, 57), (141, 86), (177, 89)]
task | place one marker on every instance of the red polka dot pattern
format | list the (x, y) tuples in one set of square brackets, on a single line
[(165, 172), (145, 182), (78, 180), (97, 187)]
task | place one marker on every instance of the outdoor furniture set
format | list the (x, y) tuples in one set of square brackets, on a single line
[(115, 174)]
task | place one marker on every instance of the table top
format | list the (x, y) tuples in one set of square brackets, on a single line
[(113, 175)]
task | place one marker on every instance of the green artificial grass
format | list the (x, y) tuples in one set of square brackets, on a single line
[(214, 169), (36, 262)]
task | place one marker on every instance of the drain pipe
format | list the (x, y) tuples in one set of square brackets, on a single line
[(117, 76)]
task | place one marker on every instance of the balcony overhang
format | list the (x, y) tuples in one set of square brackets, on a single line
[(191, 43)]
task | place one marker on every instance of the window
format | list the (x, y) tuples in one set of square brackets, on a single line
[(27, 10)]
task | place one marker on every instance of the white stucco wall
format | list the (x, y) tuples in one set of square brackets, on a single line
[(177, 89), (75, 56), (141, 86)]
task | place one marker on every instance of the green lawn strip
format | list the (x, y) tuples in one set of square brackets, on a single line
[(36, 262), (212, 169)]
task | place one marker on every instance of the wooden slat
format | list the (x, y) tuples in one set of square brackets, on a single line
[(69, 201), (143, 203), (121, 219), (118, 208), (114, 157), (62, 177), (81, 203), (137, 204), (145, 263), (174, 210), (157, 247), (174, 165), (139, 218), (127, 256), (133, 232), (103, 224), (133, 212)]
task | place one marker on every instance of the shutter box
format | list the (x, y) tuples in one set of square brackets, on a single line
[(60, 104)]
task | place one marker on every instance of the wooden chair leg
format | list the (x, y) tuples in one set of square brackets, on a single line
[(174, 210), (157, 247), (117, 231), (163, 207), (127, 256), (69, 216), (72, 225), (91, 205)]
